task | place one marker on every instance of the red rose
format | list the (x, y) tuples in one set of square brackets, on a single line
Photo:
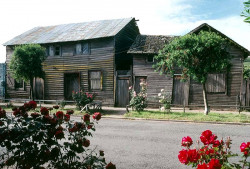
[(26, 106), (207, 137), (193, 155), (183, 157), (32, 104), (90, 126), (16, 112), (245, 147), (35, 115), (70, 112), (86, 143), (97, 116), (2, 113), (56, 107), (86, 118), (110, 166), (214, 164), (202, 166), (73, 129), (44, 111), (66, 117), (59, 115), (186, 141), (59, 134)]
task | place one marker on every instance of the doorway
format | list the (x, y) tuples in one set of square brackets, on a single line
[(71, 83)]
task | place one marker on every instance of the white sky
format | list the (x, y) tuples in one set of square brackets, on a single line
[(157, 17)]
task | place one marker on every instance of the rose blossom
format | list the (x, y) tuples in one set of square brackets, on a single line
[(59, 115), (86, 143), (86, 118), (32, 104), (183, 156), (193, 155), (44, 111), (207, 137), (97, 116), (244, 147), (214, 164), (66, 117), (202, 166), (186, 141), (110, 166)]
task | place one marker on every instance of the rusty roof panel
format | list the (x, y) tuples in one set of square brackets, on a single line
[(70, 32)]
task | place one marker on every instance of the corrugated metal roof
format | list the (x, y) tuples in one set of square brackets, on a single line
[(149, 44), (70, 32)]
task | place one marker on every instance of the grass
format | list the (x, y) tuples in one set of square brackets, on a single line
[(197, 117)]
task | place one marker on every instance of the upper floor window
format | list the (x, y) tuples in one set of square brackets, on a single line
[(150, 59), (82, 49), (19, 84), (55, 50), (216, 83)]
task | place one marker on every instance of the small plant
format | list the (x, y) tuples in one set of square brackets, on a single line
[(62, 104), (38, 140), (165, 99), (213, 154), (81, 98), (139, 101)]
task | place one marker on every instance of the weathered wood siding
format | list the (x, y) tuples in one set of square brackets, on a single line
[(233, 84), (155, 81), (101, 57)]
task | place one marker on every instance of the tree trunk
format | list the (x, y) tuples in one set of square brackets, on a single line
[(206, 111), (31, 89)]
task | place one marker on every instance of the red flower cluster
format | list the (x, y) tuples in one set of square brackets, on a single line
[(59, 133), (56, 107), (2, 113), (44, 111), (70, 112), (66, 117), (97, 116), (213, 164), (59, 114), (245, 148), (89, 95), (86, 118), (190, 155), (207, 137), (186, 141), (32, 104)]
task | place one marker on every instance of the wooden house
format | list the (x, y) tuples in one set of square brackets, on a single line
[(90, 56), (2, 80), (223, 88)]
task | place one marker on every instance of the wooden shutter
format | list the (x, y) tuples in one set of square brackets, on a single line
[(216, 83), (95, 79), (51, 50), (78, 49)]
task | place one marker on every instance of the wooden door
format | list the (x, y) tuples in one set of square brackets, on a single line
[(122, 94), (38, 88), (71, 83), (180, 91)]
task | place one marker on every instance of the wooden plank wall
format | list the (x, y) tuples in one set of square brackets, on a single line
[(234, 81), (155, 81), (101, 57)]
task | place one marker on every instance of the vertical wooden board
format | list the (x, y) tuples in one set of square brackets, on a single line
[(122, 92)]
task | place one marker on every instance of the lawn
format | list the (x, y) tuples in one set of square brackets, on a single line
[(197, 117)]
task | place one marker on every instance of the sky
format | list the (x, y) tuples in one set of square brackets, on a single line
[(156, 17)]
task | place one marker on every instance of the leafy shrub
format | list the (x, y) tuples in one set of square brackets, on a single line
[(39, 140), (165, 99), (139, 101), (213, 154), (62, 104), (82, 98)]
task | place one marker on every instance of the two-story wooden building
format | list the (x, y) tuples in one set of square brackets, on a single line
[(223, 88), (90, 56)]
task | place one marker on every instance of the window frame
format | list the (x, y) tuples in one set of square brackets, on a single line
[(217, 83), (17, 87), (147, 59)]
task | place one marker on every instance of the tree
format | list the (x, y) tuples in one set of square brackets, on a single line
[(246, 12), (197, 55), (26, 63)]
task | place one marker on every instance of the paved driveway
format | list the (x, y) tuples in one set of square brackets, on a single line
[(135, 144)]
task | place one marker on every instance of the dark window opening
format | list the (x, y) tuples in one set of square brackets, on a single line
[(150, 59), (19, 84), (57, 50)]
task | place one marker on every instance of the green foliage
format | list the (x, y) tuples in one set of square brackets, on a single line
[(165, 99), (246, 12), (39, 140), (62, 104), (81, 98), (26, 62), (197, 55), (139, 100)]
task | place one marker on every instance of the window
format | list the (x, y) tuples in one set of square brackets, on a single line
[(95, 80), (82, 49), (138, 80), (216, 83), (150, 59), (19, 84), (57, 50)]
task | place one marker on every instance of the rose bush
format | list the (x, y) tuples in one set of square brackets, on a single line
[(214, 154), (82, 98), (33, 139), (165, 99), (139, 100)]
